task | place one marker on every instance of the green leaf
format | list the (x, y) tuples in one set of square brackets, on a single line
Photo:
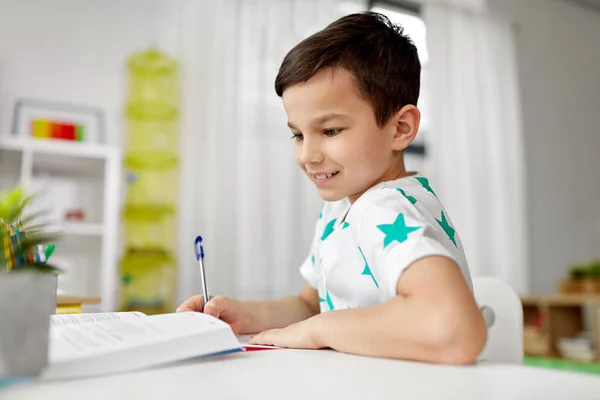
[(13, 203)]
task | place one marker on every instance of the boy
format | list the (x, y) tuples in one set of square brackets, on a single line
[(386, 275)]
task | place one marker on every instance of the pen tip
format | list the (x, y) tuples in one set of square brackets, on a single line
[(198, 248)]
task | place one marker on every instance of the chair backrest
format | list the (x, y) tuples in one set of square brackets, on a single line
[(503, 312)]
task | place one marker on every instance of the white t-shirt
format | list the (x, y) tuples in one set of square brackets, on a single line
[(356, 261)]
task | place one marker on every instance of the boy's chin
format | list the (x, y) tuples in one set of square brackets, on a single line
[(331, 195)]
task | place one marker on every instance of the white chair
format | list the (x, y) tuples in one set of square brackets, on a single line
[(503, 313)]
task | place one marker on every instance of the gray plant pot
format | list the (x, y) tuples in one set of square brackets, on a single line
[(27, 299)]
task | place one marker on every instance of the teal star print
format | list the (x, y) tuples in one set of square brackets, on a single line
[(312, 258), (410, 198), (328, 299), (396, 231), (425, 183), (447, 228), (345, 225), (367, 270), (328, 229), (327, 296)]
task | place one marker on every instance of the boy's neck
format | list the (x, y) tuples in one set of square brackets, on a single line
[(399, 171)]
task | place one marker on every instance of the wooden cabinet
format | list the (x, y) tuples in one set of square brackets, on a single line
[(549, 320)]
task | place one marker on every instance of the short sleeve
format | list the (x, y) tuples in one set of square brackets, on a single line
[(309, 268), (393, 233)]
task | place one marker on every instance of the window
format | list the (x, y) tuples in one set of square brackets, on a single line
[(407, 15)]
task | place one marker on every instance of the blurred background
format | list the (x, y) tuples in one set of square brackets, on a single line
[(144, 123)]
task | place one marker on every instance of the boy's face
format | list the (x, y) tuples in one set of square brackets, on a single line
[(338, 143)]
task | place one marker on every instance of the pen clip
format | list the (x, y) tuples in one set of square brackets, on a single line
[(198, 247)]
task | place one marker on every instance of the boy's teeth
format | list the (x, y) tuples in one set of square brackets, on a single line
[(323, 176)]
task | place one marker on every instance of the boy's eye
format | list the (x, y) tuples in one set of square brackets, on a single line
[(332, 132), (297, 137)]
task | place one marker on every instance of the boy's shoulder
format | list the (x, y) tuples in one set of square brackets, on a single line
[(410, 198), (406, 218), (404, 211), (410, 195), (410, 192)]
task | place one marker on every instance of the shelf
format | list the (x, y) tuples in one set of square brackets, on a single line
[(69, 178), (59, 195), (56, 147), (75, 229), (68, 300), (82, 229), (44, 164), (78, 258), (548, 319), (562, 299)]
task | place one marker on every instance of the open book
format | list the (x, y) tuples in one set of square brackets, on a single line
[(105, 343)]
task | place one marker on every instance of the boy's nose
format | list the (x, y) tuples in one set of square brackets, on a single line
[(310, 152)]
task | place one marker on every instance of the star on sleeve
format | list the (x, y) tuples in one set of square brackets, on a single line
[(447, 228), (393, 233), (396, 231)]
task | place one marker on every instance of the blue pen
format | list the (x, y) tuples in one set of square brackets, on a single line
[(200, 258)]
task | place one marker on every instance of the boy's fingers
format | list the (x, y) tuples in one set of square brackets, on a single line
[(194, 303), (215, 307)]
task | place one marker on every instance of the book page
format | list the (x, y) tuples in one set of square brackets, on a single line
[(70, 319), (70, 342)]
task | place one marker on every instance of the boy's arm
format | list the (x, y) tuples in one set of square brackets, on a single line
[(434, 318), (262, 315)]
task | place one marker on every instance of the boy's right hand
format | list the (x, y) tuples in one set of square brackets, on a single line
[(227, 309)]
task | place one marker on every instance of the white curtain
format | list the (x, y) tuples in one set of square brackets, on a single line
[(240, 188), (475, 142)]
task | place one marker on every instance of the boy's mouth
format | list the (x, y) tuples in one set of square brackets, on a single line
[(323, 177)]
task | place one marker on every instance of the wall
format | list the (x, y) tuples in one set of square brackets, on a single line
[(559, 64), (76, 51)]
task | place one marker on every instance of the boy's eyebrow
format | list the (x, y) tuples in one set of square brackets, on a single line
[(321, 120), (327, 117)]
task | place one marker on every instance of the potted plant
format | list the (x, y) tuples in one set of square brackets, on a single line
[(583, 279), (27, 288)]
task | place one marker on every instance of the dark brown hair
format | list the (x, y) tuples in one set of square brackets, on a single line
[(383, 60)]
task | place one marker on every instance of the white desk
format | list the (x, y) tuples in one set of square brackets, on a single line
[(324, 374)]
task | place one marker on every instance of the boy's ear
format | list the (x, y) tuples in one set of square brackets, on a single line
[(406, 122)]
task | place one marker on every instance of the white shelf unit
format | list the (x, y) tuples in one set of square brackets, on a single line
[(73, 176)]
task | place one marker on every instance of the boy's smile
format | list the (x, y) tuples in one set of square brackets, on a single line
[(339, 144), (323, 178)]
